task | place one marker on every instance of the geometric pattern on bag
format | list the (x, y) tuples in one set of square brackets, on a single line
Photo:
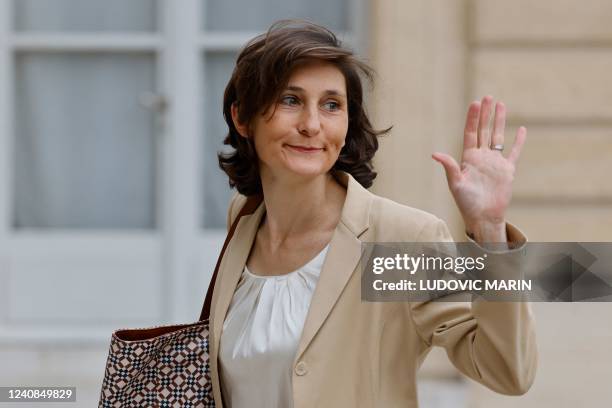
[(171, 370)]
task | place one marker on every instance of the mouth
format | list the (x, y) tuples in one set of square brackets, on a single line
[(305, 149)]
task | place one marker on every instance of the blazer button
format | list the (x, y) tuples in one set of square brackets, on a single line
[(300, 368)]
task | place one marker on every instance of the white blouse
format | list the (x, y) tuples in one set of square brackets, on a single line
[(261, 333)]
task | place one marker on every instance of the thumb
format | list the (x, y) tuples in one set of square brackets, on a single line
[(453, 172)]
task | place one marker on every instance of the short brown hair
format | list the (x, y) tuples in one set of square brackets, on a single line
[(262, 71)]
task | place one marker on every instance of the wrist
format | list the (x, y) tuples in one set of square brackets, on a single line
[(487, 231)]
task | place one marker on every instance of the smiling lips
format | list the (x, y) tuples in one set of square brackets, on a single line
[(304, 149)]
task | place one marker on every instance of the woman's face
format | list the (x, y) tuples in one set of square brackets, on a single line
[(305, 134)]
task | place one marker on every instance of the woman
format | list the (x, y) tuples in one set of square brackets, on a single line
[(288, 327)]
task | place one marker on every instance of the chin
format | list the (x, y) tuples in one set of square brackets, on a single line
[(308, 170)]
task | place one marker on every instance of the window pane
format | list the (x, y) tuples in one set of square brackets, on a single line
[(85, 15), (84, 148), (217, 71), (232, 15)]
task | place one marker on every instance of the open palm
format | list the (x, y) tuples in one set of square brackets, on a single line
[(482, 184)]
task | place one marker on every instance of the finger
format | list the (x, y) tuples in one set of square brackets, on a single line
[(521, 136), (499, 123), (453, 172), (483, 123), (470, 132)]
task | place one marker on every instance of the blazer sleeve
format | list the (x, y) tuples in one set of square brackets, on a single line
[(494, 343)]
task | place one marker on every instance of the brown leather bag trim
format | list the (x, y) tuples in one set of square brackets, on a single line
[(150, 332)]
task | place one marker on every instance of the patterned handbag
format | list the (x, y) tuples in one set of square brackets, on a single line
[(165, 366)]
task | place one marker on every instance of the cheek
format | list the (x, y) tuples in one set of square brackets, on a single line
[(266, 136), (339, 135)]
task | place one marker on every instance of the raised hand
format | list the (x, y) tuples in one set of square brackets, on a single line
[(482, 184)]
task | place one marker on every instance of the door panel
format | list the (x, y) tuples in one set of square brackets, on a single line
[(223, 15), (85, 15), (84, 146), (110, 281), (217, 71)]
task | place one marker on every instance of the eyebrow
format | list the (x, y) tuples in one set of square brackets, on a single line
[(333, 92)]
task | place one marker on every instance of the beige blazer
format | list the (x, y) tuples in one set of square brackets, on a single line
[(366, 354)]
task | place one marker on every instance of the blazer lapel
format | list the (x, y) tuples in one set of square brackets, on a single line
[(342, 258), (230, 270)]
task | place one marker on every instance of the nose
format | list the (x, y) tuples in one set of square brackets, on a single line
[(309, 124)]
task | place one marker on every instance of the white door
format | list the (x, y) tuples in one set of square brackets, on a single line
[(82, 226)]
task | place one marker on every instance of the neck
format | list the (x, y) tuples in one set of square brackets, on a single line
[(295, 208)]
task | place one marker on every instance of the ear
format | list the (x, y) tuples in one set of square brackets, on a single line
[(241, 128)]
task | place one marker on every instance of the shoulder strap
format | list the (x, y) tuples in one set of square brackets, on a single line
[(249, 207)]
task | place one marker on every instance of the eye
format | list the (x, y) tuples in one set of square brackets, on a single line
[(332, 105), (289, 100)]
